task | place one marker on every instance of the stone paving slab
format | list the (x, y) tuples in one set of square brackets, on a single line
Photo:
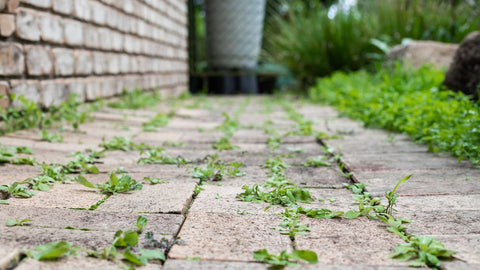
[(160, 198), (39, 145), (467, 246), (349, 242), (210, 226), (220, 236), (412, 161), (222, 199), (211, 265), (78, 262), (29, 237), (423, 182), (93, 220), (458, 222), (61, 196)]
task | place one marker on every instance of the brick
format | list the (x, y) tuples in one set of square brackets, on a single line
[(99, 63), (91, 37), (113, 63), (77, 88), (83, 62), (51, 29), (98, 12), (28, 25), (92, 88), (3, 3), (12, 5), (81, 9), (39, 3), (4, 95), (39, 60), (62, 6), (73, 32), (26, 88), (52, 93), (7, 25), (11, 59), (64, 61)]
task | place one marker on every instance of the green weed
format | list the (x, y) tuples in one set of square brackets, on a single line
[(115, 184), (285, 258), (136, 99), (17, 222), (422, 251), (224, 144)]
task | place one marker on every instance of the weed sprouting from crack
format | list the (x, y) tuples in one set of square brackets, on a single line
[(124, 249)]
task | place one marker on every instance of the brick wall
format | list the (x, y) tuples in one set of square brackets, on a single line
[(95, 48)]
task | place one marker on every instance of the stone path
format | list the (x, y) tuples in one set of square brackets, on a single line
[(216, 227)]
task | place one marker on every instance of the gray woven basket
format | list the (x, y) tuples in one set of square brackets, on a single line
[(234, 32)]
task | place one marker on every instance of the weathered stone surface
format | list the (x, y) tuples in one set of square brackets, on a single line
[(29, 237), (51, 29), (61, 196), (467, 246), (349, 242), (83, 62), (62, 6), (70, 263), (4, 95), (7, 25), (39, 60), (11, 59), (442, 222), (211, 265), (463, 72), (39, 3), (223, 199), (423, 182), (60, 218), (64, 61), (316, 177), (218, 236), (160, 198), (419, 53), (28, 88), (28, 25), (402, 161), (73, 32)]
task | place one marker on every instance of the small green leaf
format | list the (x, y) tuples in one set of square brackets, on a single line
[(134, 258), (52, 250), (306, 255), (82, 180), (151, 254), (352, 214)]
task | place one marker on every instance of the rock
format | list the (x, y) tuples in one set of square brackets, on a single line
[(418, 53), (464, 72)]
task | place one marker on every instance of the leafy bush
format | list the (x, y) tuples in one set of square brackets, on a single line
[(312, 43), (408, 101)]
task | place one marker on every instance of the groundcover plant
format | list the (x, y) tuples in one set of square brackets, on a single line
[(408, 101)]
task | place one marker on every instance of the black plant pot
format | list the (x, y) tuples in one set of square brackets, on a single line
[(221, 85)]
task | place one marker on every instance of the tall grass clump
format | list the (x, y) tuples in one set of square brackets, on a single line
[(408, 101), (313, 42)]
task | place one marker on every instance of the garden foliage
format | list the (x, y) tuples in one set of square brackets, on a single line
[(408, 101), (312, 41)]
